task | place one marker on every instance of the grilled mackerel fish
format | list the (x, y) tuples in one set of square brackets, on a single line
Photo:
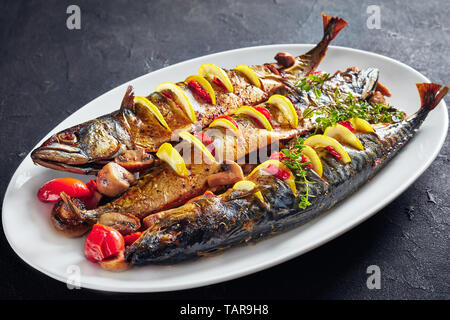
[(210, 224), (161, 188), (145, 124)]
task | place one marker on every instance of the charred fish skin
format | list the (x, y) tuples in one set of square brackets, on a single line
[(133, 128), (211, 224)]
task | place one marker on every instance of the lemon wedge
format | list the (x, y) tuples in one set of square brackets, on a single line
[(249, 74), (197, 143), (180, 98), (227, 124), (314, 158), (246, 185), (211, 71), (361, 125), (344, 135), (205, 85), (252, 112), (153, 109), (290, 180), (286, 107), (322, 141), (170, 155)]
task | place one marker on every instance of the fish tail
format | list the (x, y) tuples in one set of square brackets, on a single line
[(332, 26), (431, 94)]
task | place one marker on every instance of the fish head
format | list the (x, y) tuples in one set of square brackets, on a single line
[(84, 148), (360, 83)]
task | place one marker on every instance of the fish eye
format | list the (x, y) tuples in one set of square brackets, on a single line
[(67, 137)]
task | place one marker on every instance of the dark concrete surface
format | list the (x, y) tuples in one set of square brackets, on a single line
[(48, 72)]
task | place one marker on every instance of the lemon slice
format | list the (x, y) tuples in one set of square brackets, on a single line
[(361, 125), (205, 85), (168, 154), (246, 185), (153, 109), (211, 71), (344, 135), (286, 107), (180, 97), (290, 181), (196, 142), (249, 74), (227, 124), (314, 158), (252, 112), (322, 141)]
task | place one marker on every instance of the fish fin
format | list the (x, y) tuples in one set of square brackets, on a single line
[(128, 99), (332, 25), (431, 94), (68, 201)]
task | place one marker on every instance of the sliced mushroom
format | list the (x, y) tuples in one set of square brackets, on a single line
[(122, 222), (115, 264), (135, 160), (67, 222), (232, 175), (113, 179), (285, 59)]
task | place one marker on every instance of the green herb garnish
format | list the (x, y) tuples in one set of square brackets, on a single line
[(294, 161), (312, 81), (340, 107)]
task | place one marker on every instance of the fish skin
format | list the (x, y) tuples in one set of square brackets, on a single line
[(208, 225), (133, 128)]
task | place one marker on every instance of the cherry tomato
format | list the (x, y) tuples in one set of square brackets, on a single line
[(309, 165), (203, 137), (229, 119), (219, 83), (278, 156), (264, 111), (347, 124), (333, 152), (131, 238), (103, 242), (91, 201), (50, 191), (197, 89)]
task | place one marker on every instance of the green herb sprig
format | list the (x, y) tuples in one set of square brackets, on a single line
[(340, 107), (294, 162), (312, 81)]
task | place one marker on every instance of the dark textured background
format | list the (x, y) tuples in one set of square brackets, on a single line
[(47, 72)]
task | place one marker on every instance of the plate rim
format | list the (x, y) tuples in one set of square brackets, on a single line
[(321, 240)]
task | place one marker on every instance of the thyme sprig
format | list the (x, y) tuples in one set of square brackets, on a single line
[(294, 161), (312, 81)]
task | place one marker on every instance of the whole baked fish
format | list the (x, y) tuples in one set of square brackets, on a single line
[(162, 188), (86, 147), (209, 224)]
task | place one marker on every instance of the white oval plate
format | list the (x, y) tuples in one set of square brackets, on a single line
[(26, 220)]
